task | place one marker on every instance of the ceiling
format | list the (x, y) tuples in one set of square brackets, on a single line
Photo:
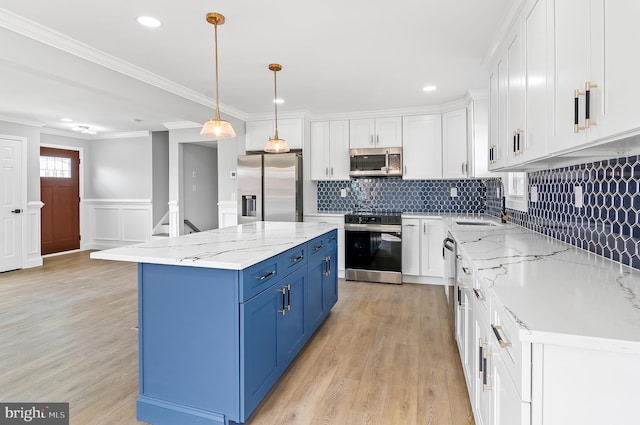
[(92, 62)]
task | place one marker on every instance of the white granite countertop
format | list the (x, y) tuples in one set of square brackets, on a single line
[(235, 247), (556, 292)]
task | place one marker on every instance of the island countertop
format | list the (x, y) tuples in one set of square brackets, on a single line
[(556, 292), (232, 248)]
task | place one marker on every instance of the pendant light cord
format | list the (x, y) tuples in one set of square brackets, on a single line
[(275, 99), (215, 26)]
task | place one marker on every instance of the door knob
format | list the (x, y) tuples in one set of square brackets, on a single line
[(17, 211)]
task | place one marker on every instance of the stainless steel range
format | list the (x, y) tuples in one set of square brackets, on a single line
[(373, 247)]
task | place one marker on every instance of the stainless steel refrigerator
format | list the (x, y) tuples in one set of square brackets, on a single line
[(269, 187)]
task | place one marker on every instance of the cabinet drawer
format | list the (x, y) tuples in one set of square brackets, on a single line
[(317, 246), (504, 332), (260, 276), (294, 258)]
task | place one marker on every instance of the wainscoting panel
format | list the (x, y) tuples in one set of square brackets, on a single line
[(117, 222)]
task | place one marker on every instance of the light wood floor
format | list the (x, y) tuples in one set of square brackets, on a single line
[(385, 354)]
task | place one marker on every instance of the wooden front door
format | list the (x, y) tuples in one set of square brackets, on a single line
[(60, 193)]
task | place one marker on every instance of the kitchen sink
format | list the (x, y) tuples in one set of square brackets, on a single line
[(476, 223)]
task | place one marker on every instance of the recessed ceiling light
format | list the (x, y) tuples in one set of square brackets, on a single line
[(429, 88), (148, 21), (84, 129), (278, 101), (66, 120)]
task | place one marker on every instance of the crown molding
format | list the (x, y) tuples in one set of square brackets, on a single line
[(178, 125), (66, 133), (304, 114), (42, 34), (15, 120), (123, 135)]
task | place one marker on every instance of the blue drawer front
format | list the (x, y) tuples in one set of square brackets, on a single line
[(294, 258), (259, 277), (316, 247)]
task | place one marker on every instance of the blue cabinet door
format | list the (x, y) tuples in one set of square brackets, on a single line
[(259, 323), (291, 329), (313, 294), (330, 280)]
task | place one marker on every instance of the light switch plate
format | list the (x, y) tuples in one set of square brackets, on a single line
[(454, 192), (343, 193), (533, 195)]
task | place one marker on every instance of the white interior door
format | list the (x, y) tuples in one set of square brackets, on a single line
[(10, 205)]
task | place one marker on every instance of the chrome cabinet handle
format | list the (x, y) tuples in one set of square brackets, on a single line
[(317, 248), (263, 277), (466, 270), (296, 259), (502, 342), (479, 295), (283, 291)]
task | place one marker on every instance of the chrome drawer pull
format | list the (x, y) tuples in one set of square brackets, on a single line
[(466, 270), (502, 342), (317, 248), (263, 277), (296, 259), (479, 295)]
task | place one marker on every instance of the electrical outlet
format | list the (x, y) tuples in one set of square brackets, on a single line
[(577, 192), (533, 196), (343, 193), (454, 192)]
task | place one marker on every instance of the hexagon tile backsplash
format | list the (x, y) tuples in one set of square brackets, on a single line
[(395, 194), (607, 224)]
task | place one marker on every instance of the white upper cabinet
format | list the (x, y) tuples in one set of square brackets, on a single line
[(422, 147), (495, 119), (536, 94), (375, 133), (455, 163), (515, 94), (330, 150), (595, 90), (258, 132), (614, 37), (571, 68)]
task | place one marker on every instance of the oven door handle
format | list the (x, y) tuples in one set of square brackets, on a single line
[(395, 228), (445, 245)]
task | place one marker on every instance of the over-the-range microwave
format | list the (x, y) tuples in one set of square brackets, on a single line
[(369, 162)]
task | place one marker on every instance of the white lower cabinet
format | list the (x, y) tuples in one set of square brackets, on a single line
[(422, 250), (564, 380)]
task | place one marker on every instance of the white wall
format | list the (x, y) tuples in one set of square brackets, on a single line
[(200, 180), (228, 150), (120, 169), (160, 196)]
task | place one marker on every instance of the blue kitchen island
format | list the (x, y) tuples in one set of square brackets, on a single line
[(223, 313)]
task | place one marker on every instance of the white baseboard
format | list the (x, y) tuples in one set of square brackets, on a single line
[(423, 280)]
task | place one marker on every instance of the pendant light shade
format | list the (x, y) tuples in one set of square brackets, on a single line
[(276, 144), (216, 128)]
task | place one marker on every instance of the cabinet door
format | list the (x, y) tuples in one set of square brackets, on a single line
[(330, 280), (570, 59), (260, 320), (615, 101), (536, 110), (313, 293), (431, 236), (291, 329), (257, 134), (483, 394), (339, 151), (495, 144), (515, 97), (388, 132), (422, 147), (454, 144), (411, 246), (508, 407), (290, 130), (320, 150), (362, 133)]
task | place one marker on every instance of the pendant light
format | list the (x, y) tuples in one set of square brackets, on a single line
[(217, 128), (276, 144)]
